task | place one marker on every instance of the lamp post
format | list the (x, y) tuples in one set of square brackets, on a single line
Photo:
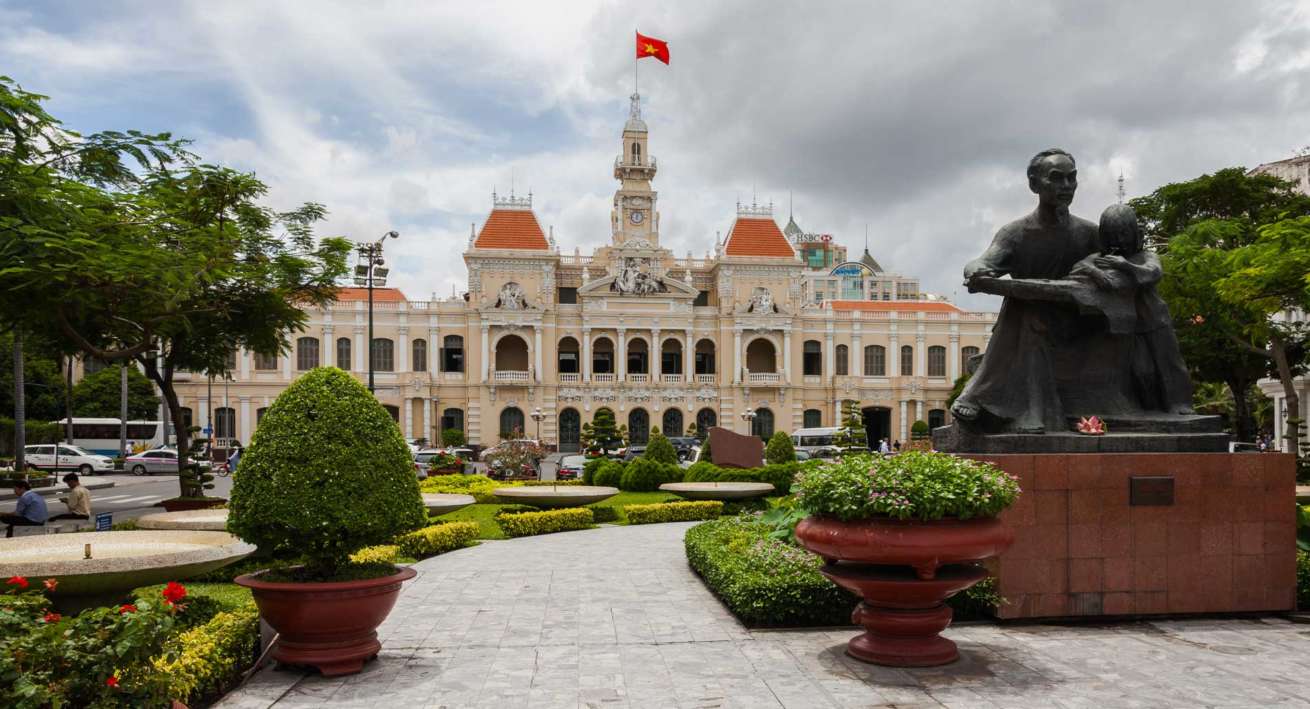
[(749, 417), (369, 272), (537, 416)]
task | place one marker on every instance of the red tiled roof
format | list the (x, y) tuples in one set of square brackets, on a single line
[(903, 306), (380, 295), (754, 236), (511, 229)]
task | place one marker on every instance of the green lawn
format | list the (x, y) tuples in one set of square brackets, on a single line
[(229, 595), (483, 513)]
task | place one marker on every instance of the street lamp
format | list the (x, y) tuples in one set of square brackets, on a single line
[(749, 417), (537, 416), (369, 272)]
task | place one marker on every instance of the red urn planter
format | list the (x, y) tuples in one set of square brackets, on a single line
[(904, 571), (331, 626)]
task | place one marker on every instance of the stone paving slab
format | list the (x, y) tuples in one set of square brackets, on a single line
[(613, 617)]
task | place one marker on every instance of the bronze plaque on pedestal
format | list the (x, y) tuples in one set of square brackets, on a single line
[(1151, 491)]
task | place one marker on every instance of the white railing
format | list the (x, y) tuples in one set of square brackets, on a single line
[(763, 377), (453, 376), (604, 378), (575, 260), (570, 378), (705, 378), (639, 378), (671, 378), (510, 376)]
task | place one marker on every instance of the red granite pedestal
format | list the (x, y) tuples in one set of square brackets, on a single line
[(1085, 546)]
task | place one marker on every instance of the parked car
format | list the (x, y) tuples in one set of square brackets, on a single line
[(633, 452), (159, 460), (683, 445), (67, 457), (570, 467)]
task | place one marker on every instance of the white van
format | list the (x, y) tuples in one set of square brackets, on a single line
[(52, 457), (814, 441)]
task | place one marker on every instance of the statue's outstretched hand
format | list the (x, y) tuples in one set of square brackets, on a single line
[(1111, 261)]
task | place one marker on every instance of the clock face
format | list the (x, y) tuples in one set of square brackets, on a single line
[(636, 216)]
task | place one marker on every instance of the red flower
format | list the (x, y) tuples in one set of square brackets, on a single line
[(18, 581), (112, 681), (174, 592), (126, 608), (50, 584), (52, 617)]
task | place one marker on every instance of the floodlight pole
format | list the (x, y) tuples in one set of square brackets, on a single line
[(371, 257)]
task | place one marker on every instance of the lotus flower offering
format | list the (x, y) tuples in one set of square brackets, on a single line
[(1091, 426)]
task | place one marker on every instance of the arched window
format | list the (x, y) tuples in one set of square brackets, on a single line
[(638, 427), (761, 356), (704, 359), (936, 418), (569, 359), (511, 354), (638, 356), (259, 414), (343, 354), (843, 360), (762, 424), (672, 423), (812, 418), (452, 418), (393, 411), (187, 421), (225, 422), (384, 355), (907, 361), (705, 420), (306, 353), (452, 354), (671, 357), (636, 153), (265, 361), (602, 356), (936, 361), (875, 361), (511, 422), (812, 358), (966, 356), (420, 351)]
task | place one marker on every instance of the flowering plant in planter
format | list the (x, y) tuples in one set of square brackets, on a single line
[(445, 462), (913, 485)]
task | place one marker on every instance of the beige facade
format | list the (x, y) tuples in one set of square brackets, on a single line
[(660, 340)]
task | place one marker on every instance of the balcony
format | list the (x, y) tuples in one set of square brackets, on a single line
[(510, 376), (766, 378), (452, 376), (604, 378), (639, 378), (569, 378), (670, 378), (706, 378)]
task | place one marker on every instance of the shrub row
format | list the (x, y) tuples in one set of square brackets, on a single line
[(438, 539), (780, 475), (638, 475), (380, 554), (673, 512), (524, 524), (205, 660)]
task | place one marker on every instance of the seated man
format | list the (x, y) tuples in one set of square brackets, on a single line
[(78, 500), (30, 512)]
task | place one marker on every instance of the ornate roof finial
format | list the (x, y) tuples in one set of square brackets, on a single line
[(634, 114)]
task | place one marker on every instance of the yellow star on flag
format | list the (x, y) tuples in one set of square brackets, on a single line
[(650, 49)]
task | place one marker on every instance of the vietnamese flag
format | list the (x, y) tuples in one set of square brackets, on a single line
[(651, 47)]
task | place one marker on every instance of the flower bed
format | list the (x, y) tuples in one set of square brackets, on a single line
[(673, 512), (525, 524)]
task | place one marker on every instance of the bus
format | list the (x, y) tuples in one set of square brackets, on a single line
[(815, 441), (100, 435)]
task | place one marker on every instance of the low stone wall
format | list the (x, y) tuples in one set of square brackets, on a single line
[(1120, 534)]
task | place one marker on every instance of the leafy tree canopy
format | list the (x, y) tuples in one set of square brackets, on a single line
[(98, 395)]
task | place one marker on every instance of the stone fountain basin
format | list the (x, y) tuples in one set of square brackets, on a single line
[(718, 491), (551, 496), (120, 561), (210, 520), (440, 503)]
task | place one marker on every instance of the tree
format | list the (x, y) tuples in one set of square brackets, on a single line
[(660, 450), (172, 268), (98, 395), (1203, 228), (43, 380), (852, 433), (779, 449), (452, 438)]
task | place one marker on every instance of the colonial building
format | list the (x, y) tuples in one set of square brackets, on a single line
[(767, 333)]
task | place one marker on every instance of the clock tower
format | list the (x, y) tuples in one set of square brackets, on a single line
[(634, 215)]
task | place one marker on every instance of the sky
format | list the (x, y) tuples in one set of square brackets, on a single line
[(913, 120)]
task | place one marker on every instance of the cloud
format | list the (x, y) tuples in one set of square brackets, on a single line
[(915, 119)]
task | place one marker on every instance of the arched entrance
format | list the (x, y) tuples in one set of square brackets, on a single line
[(672, 425), (762, 424), (570, 431), (877, 425), (705, 420), (638, 427)]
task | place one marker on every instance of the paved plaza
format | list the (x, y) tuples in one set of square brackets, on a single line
[(613, 617)]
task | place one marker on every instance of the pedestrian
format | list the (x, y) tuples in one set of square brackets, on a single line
[(896, 447), (30, 512), (78, 500), (234, 458), (883, 448)]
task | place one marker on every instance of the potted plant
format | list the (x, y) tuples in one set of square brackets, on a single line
[(327, 473), (905, 532), (445, 464)]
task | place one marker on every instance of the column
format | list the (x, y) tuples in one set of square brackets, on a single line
[(786, 355), (830, 358), (360, 352), (434, 350), (243, 365), (427, 422), (856, 365), (586, 354), (657, 352), (536, 352), (688, 357), (736, 356), (486, 352), (621, 357), (920, 355), (408, 406), (954, 355), (918, 411), (402, 356), (244, 430), (286, 365), (894, 356), (327, 351), (905, 425)]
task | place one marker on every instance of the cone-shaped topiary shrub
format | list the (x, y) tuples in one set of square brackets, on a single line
[(327, 473), (780, 449), (643, 475), (659, 449)]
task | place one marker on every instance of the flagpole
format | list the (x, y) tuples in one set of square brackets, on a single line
[(634, 62)]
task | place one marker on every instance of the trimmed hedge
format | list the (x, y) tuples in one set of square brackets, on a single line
[(207, 659), (603, 513), (525, 524), (780, 476), (438, 539), (673, 512), (589, 470), (609, 474), (381, 554), (479, 486), (644, 475)]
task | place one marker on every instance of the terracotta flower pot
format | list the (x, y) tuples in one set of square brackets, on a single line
[(904, 571), (184, 504), (331, 626)]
